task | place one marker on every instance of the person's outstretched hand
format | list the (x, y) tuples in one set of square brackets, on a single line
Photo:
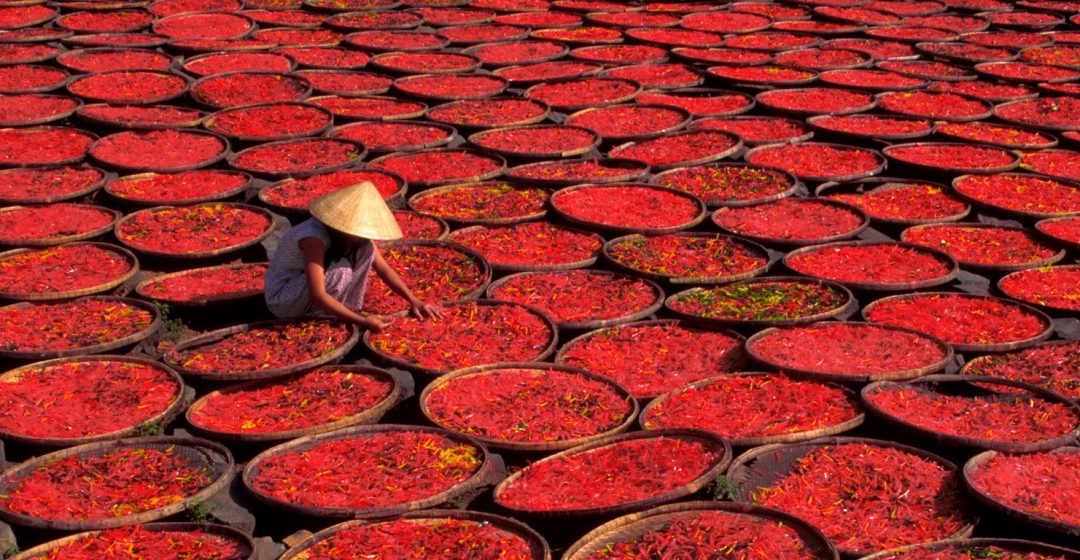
[(375, 323), (423, 311)]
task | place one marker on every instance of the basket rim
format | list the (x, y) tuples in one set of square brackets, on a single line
[(474, 371), (535, 540), (983, 348), (849, 304), (530, 93), (398, 392), (220, 334), (946, 350), (530, 120), (986, 499), (206, 447), (69, 294), (699, 482), (220, 530), (196, 254), (749, 441), (944, 258), (86, 351), (631, 522), (477, 479), (397, 362), (969, 442), (688, 280)]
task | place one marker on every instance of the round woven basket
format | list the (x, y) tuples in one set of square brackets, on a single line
[(762, 440), (223, 195), (88, 190), (541, 356), (849, 305), (538, 547), (69, 294), (247, 546), (982, 348), (401, 390), (1021, 547), (978, 385), (489, 472), (180, 401), (220, 334), (48, 242), (529, 217), (763, 466), (214, 458), (697, 484), (691, 280), (635, 525), (1037, 521), (636, 315), (697, 219), (873, 184), (954, 268), (946, 350), (100, 348), (200, 254), (141, 289), (546, 446)]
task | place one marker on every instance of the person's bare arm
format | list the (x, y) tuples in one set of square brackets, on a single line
[(314, 254), (420, 309)]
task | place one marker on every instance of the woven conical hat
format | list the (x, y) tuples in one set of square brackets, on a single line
[(358, 210)]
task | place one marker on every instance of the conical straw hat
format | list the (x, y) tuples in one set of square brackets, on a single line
[(358, 210)]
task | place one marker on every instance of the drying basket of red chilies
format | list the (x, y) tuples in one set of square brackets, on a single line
[(112, 484), (454, 533), (152, 540), (371, 471), (698, 529), (43, 331), (978, 548)]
